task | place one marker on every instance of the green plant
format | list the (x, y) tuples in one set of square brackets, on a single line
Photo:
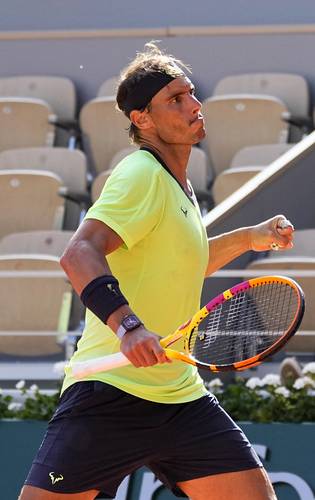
[(28, 404), (267, 400)]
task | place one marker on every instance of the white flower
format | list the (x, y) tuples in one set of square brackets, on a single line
[(216, 382), (302, 382), (253, 382), (1, 391), (271, 379), (264, 394), (59, 368), (20, 385), (283, 391), (309, 368), (215, 386), (310, 392), (15, 406), (33, 389)]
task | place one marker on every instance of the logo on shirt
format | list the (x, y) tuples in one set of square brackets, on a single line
[(184, 210), (55, 477)]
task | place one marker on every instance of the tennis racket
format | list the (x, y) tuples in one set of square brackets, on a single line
[(236, 330)]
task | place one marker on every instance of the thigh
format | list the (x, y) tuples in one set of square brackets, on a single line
[(252, 484), (33, 493)]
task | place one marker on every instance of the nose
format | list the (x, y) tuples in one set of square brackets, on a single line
[(196, 105)]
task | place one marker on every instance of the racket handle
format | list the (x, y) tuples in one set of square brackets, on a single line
[(103, 364)]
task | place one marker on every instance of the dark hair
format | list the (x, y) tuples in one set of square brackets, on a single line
[(147, 63)]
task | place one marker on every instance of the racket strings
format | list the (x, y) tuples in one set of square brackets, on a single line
[(246, 325)]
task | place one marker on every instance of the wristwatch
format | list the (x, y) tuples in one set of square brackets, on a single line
[(129, 323)]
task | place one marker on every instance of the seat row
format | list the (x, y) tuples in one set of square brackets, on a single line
[(243, 110), (39, 307)]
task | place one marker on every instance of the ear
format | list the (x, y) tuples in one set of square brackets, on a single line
[(141, 119)]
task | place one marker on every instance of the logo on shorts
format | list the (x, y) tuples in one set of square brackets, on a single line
[(55, 477)]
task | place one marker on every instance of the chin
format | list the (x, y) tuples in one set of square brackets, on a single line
[(201, 134)]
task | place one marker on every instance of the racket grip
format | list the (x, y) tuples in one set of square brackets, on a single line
[(103, 364)]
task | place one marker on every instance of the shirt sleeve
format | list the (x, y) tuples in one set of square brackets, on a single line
[(131, 203)]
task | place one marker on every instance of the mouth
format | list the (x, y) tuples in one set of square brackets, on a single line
[(199, 119)]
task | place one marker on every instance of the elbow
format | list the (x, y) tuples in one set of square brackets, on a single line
[(68, 259), (64, 260)]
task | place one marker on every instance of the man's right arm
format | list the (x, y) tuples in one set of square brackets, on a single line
[(84, 260)]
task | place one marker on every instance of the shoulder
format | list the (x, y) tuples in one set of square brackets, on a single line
[(140, 165)]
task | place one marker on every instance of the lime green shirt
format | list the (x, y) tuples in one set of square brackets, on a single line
[(160, 269)]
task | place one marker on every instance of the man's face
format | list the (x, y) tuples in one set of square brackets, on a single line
[(176, 115)]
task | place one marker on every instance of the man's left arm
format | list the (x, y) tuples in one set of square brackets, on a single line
[(226, 247)]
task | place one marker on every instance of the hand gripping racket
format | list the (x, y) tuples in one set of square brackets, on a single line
[(236, 330)]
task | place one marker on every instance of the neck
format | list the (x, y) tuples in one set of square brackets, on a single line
[(175, 156)]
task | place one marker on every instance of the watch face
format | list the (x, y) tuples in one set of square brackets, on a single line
[(131, 322)]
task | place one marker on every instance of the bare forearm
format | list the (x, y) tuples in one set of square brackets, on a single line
[(227, 247), (260, 238)]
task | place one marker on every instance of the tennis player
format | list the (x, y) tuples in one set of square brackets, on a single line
[(138, 262)]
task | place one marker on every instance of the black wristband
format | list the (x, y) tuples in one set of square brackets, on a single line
[(103, 296)]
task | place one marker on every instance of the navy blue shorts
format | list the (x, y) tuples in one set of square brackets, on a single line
[(100, 434)]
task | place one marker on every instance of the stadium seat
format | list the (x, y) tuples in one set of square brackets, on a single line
[(235, 121), (69, 165), (291, 89), (29, 200), (108, 87), (98, 184), (36, 242), (58, 92), (105, 131), (100, 179), (259, 155), (198, 171), (231, 179), (246, 163), (200, 176), (25, 122), (43, 244), (36, 322)]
